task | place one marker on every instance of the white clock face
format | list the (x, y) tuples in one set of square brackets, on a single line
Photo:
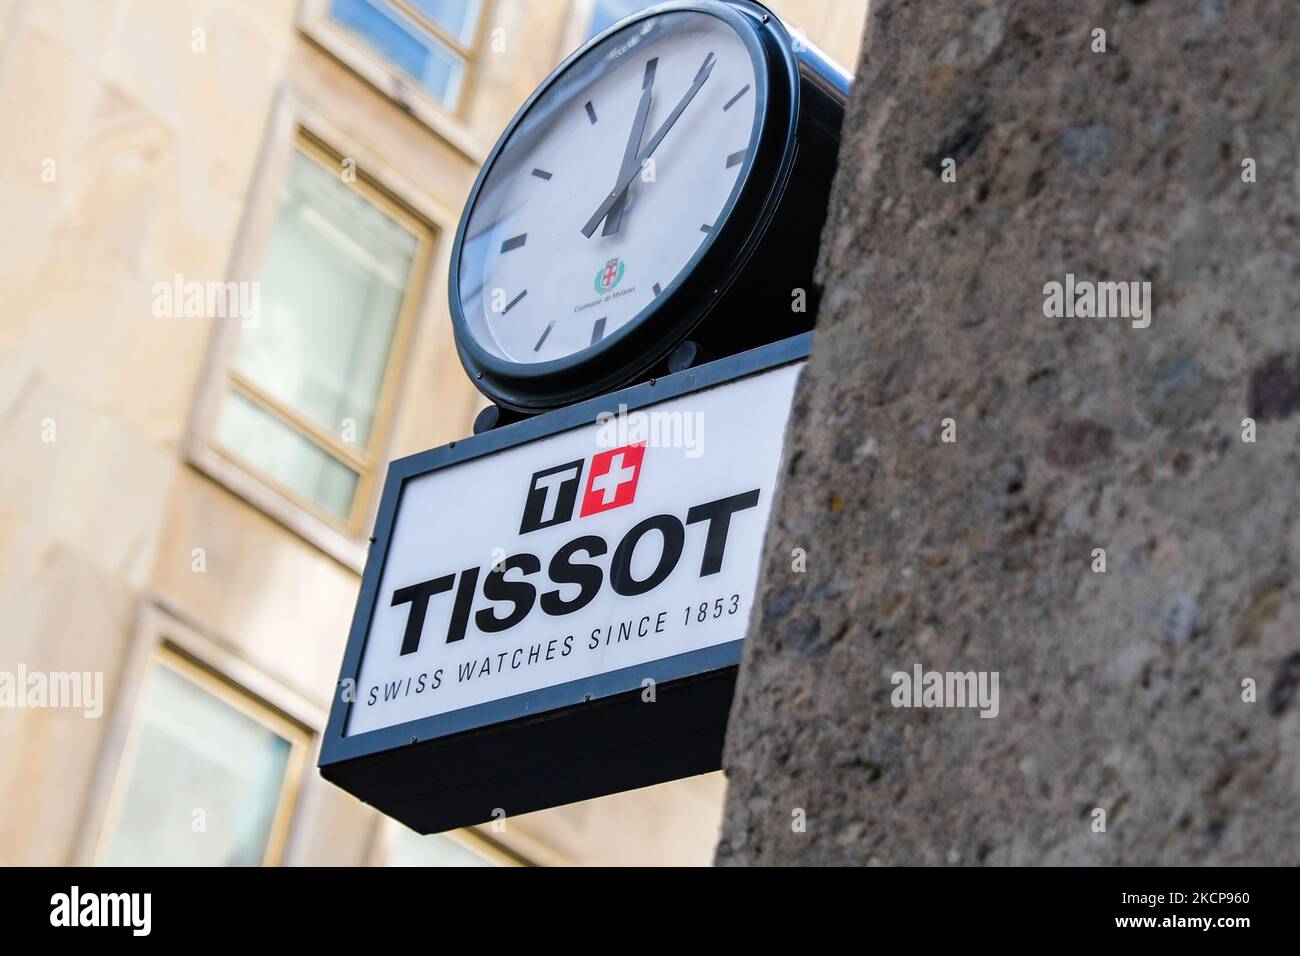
[(555, 257)]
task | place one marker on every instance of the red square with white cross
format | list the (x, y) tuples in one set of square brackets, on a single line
[(612, 480)]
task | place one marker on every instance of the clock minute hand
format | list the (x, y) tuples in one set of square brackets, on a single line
[(625, 180), (615, 217)]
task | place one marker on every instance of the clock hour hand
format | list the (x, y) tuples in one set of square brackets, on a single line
[(625, 180), (615, 217)]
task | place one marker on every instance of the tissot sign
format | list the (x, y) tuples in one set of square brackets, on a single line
[(562, 559), (556, 567)]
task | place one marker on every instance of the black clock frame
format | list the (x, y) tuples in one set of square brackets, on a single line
[(736, 292)]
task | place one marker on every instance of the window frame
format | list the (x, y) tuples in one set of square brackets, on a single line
[(367, 461), (163, 640), (295, 128), (315, 23)]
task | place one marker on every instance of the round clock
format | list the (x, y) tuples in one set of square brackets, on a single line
[(667, 182)]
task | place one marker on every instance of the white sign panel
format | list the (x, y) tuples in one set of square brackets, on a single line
[(628, 540)]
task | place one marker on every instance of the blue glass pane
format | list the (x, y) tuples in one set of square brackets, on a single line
[(457, 17), (404, 44)]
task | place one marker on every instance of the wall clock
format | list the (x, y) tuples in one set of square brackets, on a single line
[(667, 182)]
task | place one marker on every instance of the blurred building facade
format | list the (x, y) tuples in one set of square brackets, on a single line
[(225, 227)]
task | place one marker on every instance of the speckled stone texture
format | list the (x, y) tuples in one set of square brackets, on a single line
[(1120, 690)]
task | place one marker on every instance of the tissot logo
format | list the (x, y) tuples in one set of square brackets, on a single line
[(611, 483)]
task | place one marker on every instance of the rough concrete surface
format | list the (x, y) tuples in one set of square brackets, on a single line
[(1120, 691)]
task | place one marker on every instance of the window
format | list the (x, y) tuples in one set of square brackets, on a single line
[(306, 394), (429, 41), (605, 13), (208, 777)]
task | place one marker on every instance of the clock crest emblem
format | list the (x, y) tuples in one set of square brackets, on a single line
[(609, 276)]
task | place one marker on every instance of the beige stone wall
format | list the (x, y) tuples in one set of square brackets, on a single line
[(157, 153)]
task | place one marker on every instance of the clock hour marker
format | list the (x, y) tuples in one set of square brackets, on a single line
[(657, 289), (514, 302), (538, 346), (598, 331), (591, 113), (732, 102), (541, 174), (514, 242), (707, 227), (735, 159)]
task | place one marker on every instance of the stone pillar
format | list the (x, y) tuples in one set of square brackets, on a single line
[(959, 463)]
